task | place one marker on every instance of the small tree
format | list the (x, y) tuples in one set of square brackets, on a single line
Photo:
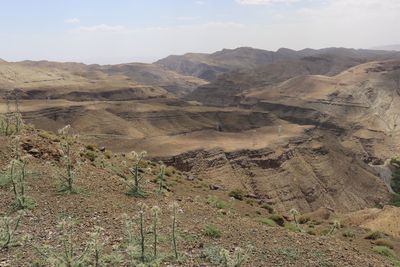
[(70, 166)]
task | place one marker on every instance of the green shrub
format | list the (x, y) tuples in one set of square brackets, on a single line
[(8, 229), (90, 155), (267, 221), (395, 183), (216, 202), (90, 147), (268, 207), (278, 219), (395, 200), (108, 154), (384, 251), (237, 194), (221, 257), (292, 227), (348, 234), (212, 231), (375, 235), (384, 243)]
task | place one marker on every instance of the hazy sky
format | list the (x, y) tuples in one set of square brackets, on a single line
[(114, 31)]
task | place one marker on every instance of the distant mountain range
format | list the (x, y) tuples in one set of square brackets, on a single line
[(395, 47), (213, 78), (209, 66)]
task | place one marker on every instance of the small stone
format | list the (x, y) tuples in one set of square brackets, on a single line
[(214, 187)]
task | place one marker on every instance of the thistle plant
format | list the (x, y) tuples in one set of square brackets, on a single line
[(174, 207), (70, 167), (68, 256), (161, 179), (17, 176), (295, 213), (11, 122), (131, 244), (142, 231), (97, 246), (135, 181), (335, 226), (155, 211), (237, 259), (8, 231)]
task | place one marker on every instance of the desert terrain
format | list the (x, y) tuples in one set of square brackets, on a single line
[(247, 136)]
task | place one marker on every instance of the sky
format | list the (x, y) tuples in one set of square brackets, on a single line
[(119, 31)]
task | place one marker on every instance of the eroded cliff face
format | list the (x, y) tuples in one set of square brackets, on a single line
[(307, 174)]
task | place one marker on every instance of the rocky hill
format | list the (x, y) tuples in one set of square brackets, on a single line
[(75, 81), (100, 223), (210, 66), (286, 151)]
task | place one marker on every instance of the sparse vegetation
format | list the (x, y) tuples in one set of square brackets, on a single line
[(215, 202), (212, 231), (268, 207), (174, 207), (267, 221), (136, 179), (155, 214), (68, 253), (278, 219), (237, 194), (17, 175), (222, 257), (395, 183), (375, 235), (348, 234), (161, 179), (295, 213), (8, 231), (384, 251), (11, 121), (68, 161), (385, 243)]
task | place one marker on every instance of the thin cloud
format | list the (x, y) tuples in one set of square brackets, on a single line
[(265, 2), (187, 18), (102, 28), (72, 21)]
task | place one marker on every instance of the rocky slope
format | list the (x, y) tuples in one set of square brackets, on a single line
[(238, 223), (210, 66), (77, 82)]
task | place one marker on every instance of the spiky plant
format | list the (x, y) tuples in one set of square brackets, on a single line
[(161, 179), (18, 175), (237, 259), (295, 213), (70, 166), (8, 231), (136, 179), (174, 207), (155, 214), (142, 231), (68, 255), (335, 226), (131, 247)]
